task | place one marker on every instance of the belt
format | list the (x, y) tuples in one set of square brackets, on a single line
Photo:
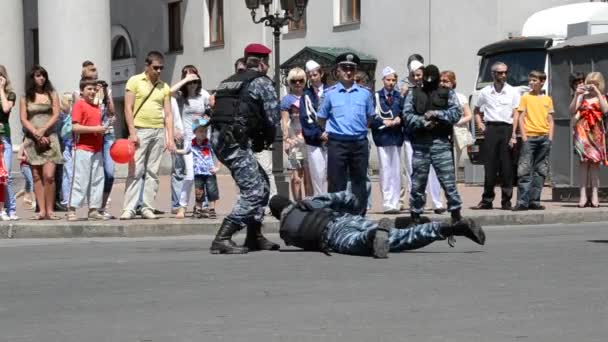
[(340, 137), (498, 123)]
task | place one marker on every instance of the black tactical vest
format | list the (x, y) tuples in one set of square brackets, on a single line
[(436, 100), (304, 229), (234, 106)]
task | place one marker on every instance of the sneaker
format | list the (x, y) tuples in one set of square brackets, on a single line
[(181, 213), (148, 214), (127, 215), (380, 243), (71, 216), (107, 215), (4, 217), (95, 215), (13, 217)]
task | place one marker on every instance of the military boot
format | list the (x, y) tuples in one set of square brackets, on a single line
[(223, 244), (464, 227), (380, 243), (255, 241)]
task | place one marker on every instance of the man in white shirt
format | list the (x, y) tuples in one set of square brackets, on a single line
[(497, 104)]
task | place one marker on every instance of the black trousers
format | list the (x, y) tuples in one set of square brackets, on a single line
[(348, 159), (498, 161)]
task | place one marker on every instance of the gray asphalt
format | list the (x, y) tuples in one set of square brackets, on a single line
[(529, 283)]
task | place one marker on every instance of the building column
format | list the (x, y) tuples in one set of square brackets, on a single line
[(13, 57), (70, 32)]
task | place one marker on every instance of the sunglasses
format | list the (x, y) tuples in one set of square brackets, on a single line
[(298, 81), (158, 67), (346, 68), (500, 72)]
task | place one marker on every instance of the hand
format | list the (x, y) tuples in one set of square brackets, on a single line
[(215, 170), (212, 101), (592, 88), (2, 82), (44, 141), (191, 77), (523, 138), (429, 114), (134, 139), (403, 90), (170, 146), (397, 121), (482, 126), (580, 90), (101, 129), (178, 136), (512, 142), (324, 137), (388, 123)]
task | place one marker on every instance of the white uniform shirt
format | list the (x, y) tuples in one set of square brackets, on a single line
[(498, 106)]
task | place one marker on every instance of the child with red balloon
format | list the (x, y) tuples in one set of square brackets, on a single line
[(88, 175), (205, 168)]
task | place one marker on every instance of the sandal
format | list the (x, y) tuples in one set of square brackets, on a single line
[(212, 214), (37, 217), (53, 218)]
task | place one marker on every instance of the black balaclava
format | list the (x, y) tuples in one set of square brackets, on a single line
[(277, 204), (430, 82)]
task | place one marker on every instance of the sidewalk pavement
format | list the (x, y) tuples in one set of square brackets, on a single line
[(167, 225)]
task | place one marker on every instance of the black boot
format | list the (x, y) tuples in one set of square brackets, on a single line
[(380, 246), (464, 227), (255, 241), (223, 244), (456, 216), (415, 218)]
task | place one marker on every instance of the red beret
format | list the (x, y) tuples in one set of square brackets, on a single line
[(257, 49)]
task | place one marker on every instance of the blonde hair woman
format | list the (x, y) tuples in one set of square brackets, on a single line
[(7, 102), (293, 140), (589, 135)]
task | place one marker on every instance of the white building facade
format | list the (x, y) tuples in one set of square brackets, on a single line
[(211, 34)]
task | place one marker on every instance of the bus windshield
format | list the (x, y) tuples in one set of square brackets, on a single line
[(520, 64)]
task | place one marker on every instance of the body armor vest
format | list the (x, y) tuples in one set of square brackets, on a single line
[(435, 100), (304, 228), (235, 107)]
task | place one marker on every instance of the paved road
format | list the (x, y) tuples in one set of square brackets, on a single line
[(541, 283)]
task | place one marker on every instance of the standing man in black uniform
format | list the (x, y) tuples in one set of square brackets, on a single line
[(244, 121)]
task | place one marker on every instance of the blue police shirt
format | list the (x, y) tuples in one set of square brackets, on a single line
[(347, 112)]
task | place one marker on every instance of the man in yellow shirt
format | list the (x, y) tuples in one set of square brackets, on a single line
[(536, 127), (148, 114)]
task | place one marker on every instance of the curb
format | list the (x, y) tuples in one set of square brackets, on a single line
[(169, 227)]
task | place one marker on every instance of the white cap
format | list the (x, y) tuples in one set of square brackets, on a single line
[(312, 65), (415, 65), (387, 71)]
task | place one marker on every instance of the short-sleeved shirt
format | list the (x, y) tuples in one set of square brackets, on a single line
[(498, 106), (347, 111), (151, 114), (86, 114), (202, 157), (537, 108), (191, 109), (6, 130)]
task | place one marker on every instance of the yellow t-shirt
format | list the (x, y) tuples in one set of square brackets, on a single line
[(537, 108), (151, 114)]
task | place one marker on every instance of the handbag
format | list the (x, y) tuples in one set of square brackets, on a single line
[(463, 137), (3, 170), (125, 133)]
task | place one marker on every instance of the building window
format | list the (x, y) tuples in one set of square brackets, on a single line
[(175, 26), (350, 11), (36, 43), (120, 49), (215, 15), (299, 25)]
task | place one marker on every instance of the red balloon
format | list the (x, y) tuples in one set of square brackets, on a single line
[(122, 151)]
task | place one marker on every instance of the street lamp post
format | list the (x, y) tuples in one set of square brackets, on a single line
[(277, 21)]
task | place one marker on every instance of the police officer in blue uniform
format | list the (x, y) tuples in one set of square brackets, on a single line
[(346, 113), (244, 121), (330, 222), (429, 114)]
